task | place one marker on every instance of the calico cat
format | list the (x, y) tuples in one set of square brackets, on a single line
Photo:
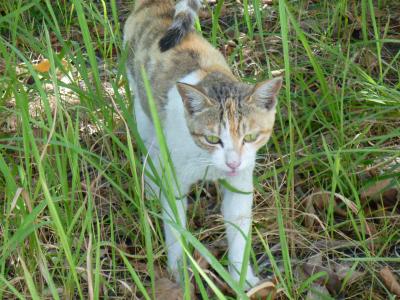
[(213, 123)]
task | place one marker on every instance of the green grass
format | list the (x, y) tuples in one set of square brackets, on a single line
[(74, 220)]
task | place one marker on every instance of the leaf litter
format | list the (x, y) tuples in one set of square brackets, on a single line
[(336, 272)]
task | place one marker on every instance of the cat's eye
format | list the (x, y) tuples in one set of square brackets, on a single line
[(249, 138), (212, 139)]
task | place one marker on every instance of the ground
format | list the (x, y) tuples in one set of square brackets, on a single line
[(75, 223)]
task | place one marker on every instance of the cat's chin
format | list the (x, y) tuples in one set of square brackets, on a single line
[(232, 173)]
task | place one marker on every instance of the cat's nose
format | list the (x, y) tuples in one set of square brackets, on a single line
[(233, 164)]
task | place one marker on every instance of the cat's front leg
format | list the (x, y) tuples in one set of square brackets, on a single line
[(173, 213), (172, 236), (237, 212)]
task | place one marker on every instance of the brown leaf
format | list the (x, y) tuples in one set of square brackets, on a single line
[(165, 289), (390, 280), (379, 189), (201, 261), (310, 217), (344, 271), (263, 291), (320, 200), (221, 285), (228, 48), (332, 282), (43, 66), (374, 189), (205, 266), (278, 72), (316, 292)]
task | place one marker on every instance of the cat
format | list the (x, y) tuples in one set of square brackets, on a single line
[(213, 123)]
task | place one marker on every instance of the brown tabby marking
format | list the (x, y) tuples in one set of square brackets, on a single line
[(233, 104), (143, 29)]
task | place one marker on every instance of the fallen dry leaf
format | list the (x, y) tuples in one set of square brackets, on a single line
[(320, 200), (165, 289), (331, 281), (390, 280), (221, 285), (205, 266), (228, 48), (310, 217), (379, 189), (316, 292), (344, 270), (43, 66), (202, 261), (278, 72), (262, 291)]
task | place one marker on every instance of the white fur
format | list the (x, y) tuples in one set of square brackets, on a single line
[(227, 154), (191, 164), (236, 209), (182, 6)]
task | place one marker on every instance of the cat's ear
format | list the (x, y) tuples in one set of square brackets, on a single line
[(265, 93), (193, 99)]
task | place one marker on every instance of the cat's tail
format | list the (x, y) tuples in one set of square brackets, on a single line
[(184, 18)]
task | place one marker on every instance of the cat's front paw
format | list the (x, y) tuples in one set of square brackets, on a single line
[(175, 275), (251, 279)]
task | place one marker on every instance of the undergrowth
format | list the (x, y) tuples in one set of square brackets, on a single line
[(74, 220)]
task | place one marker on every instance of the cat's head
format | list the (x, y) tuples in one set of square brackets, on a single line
[(229, 119)]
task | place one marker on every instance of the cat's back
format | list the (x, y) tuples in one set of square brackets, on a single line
[(146, 25)]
